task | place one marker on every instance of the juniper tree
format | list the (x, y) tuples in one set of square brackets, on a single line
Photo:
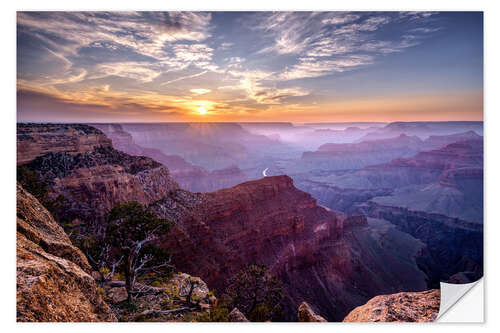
[(133, 231), (256, 293)]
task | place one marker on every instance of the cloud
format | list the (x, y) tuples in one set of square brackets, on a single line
[(325, 43), (184, 77), (340, 19), (200, 91), (310, 67), (225, 46), (133, 70), (154, 36), (143, 56), (145, 32), (192, 52), (252, 82)]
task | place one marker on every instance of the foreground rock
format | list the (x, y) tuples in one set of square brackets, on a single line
[(306, 314), (52, 279), (236, 316), (405, 307), (165, 300)]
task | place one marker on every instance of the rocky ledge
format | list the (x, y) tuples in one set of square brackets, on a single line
[(405, 307), (53, 283), (35, 140)]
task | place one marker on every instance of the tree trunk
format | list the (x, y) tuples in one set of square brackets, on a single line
[(129, 275), (190, 293)]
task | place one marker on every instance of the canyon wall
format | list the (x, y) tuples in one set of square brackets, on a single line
[(53, 276)]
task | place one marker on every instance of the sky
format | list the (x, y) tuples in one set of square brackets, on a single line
[(249, 66)]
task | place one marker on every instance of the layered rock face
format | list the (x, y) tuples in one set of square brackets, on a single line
[(35, 140), (438, 141), (95, 178), (53, 281), (270, 222), (402, 307), (341, 156), (209, 145), (266, 221), (188, 176)]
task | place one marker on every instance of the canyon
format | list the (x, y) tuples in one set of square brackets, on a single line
[(265, 221), (336, 233)]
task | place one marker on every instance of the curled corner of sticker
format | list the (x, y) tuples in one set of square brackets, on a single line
[(457, 306)]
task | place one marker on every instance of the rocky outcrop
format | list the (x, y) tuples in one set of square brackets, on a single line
[(164, 301), (53, 281), (402, 307), (306, 314), (92, 181), (35, 140), (402, 141), (236, 316)]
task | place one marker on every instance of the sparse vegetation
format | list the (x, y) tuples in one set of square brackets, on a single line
[(256, 293), (133, 230)]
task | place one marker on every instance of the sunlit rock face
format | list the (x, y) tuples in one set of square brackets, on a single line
[(400, 307), (35, 140), (53, 280)]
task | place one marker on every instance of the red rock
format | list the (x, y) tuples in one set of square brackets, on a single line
[(404, 307), (52, 277), (40, 139), (306, 314)]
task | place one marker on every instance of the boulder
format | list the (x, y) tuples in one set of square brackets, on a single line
[(306, 314), (117, 295), (236, 316), (182, 283), (404, 307)]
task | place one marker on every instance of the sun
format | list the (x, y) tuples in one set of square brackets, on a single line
[(202, 110)]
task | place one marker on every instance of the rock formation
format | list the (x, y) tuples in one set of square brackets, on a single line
[(40, 139), (236, 316), (403, 307), (342, 156), (92, 178), (53, 281), (306, 314)]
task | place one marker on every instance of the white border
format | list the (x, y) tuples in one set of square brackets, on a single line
[(492, 168)]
